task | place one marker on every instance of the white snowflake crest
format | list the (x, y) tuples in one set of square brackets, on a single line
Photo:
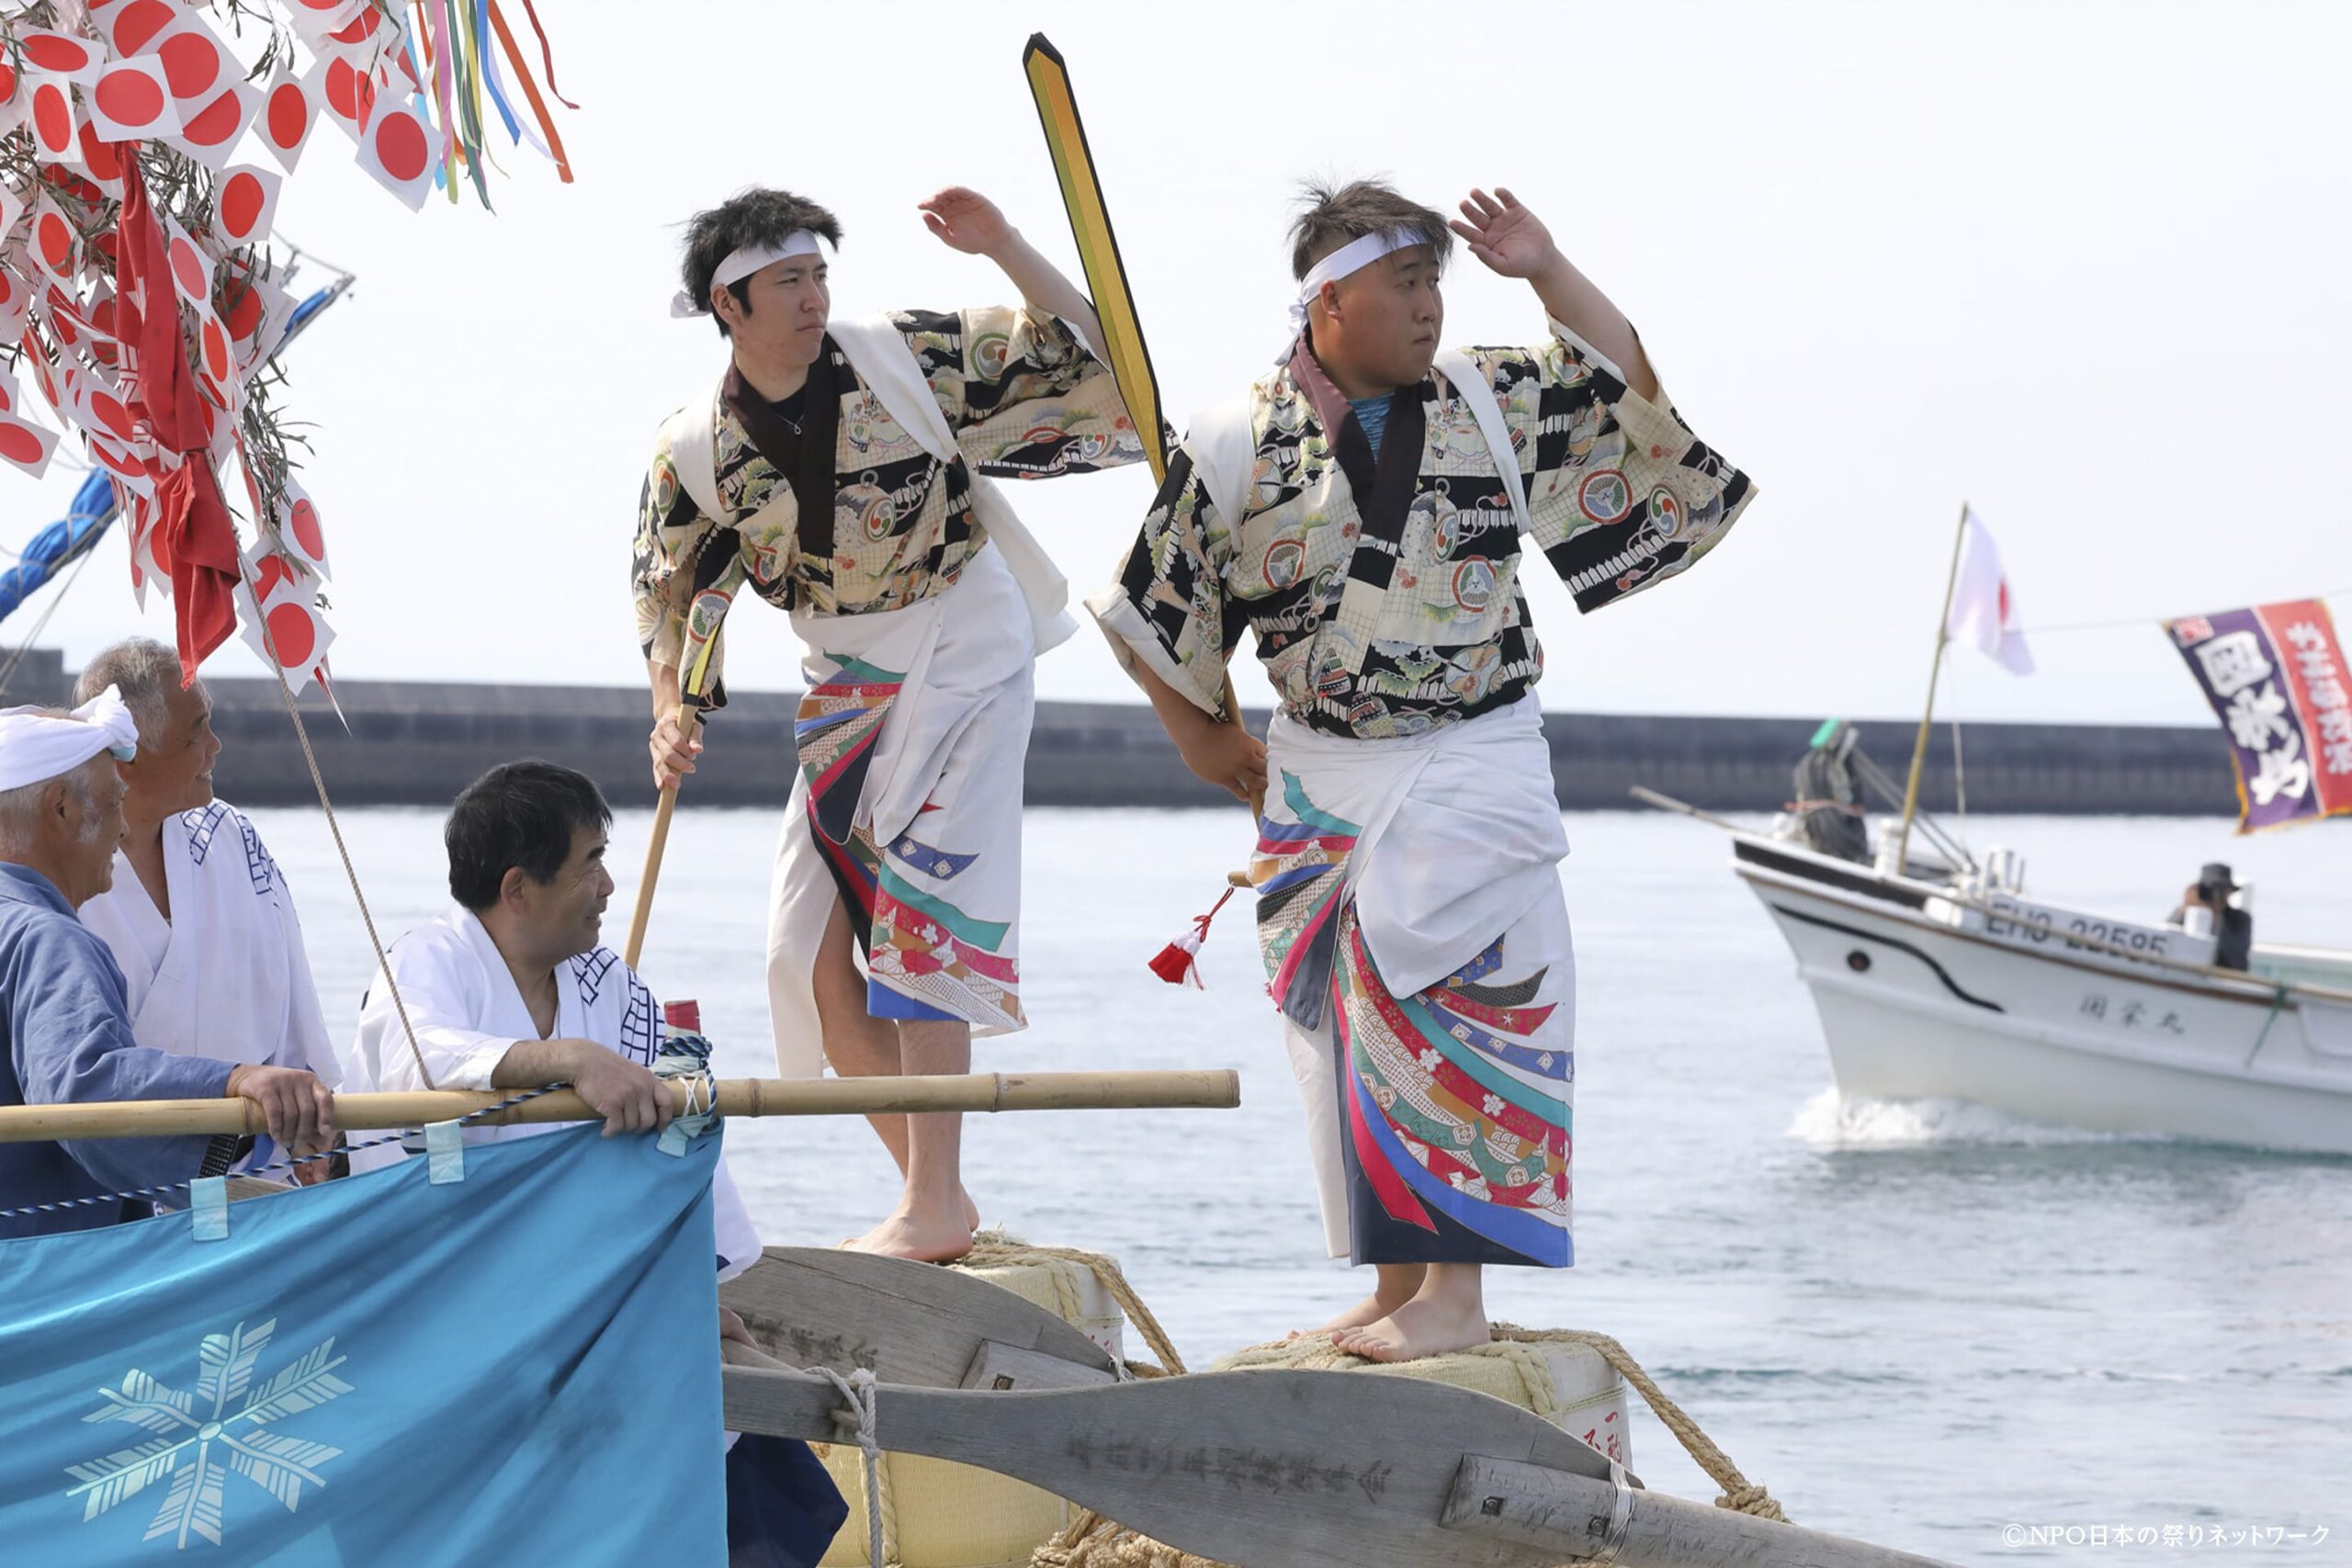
[(198, 1438)]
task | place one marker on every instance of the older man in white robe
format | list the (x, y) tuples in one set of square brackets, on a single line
[(199, 919)]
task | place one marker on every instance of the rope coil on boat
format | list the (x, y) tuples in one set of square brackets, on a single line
[(860, 1391), (1739, 1493)]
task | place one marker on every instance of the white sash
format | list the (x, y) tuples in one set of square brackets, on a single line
[(1223, 451), (878, 353)]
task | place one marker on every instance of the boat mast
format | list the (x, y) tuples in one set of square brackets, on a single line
[(1927, 719)]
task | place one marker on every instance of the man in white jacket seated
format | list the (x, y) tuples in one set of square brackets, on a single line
[(200, 920), (510, 989)]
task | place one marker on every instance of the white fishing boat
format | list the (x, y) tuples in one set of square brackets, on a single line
[(1937, 984), (1943, 978)]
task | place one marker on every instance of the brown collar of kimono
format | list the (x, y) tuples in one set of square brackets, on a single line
[(806, 455), (1384, 486)]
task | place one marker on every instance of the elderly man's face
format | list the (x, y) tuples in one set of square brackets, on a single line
[(174, 773), (86, 833)]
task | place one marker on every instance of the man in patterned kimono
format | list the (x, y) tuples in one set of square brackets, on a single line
[(199, 919), (837, 470), (1350, 510)]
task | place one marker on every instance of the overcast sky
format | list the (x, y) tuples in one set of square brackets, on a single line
[(2078, 263)]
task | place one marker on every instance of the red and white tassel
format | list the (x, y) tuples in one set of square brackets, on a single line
[(1178, 963)]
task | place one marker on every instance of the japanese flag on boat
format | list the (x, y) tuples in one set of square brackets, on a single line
[(1984, 614)]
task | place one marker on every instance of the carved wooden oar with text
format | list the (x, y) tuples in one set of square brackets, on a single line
[(1213, 1090), (1308, 1470), (907, 1322)]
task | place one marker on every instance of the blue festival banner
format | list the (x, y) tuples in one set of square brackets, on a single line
[(519, 1366), (2275, 677)]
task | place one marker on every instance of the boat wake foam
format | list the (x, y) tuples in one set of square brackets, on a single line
[(1831, 1121)]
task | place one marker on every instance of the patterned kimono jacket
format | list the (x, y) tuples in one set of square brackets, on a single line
[(1409, 908), (918, 659)]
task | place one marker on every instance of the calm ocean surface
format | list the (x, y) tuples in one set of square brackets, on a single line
[(1916, 1323)]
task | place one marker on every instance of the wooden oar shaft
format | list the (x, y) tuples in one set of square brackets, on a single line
[(1203, 1089), (1306, 1469), (1556, 1513), (652, 877)]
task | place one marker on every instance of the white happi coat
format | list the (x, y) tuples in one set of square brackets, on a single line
[(467, 1013), (226, 976)]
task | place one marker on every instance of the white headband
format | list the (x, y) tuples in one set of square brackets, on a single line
[(1355, 256), (37, 746), (742, 263)]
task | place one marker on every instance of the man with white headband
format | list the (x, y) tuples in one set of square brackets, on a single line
[(838, 470), (1350, 510), (63, 1007), (200, 920)]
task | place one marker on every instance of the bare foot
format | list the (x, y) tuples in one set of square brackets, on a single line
[(924, 1237), (1394, 1284), (1420, 1328), (1370, 1310), (971, 1210)]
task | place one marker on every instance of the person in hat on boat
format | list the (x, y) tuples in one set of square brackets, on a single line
[(510, 988), (200, 918), (1350, 510), (838, 471), (63, 1007), (2231, 926)]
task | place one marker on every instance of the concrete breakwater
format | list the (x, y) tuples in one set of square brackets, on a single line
[(417, 743)]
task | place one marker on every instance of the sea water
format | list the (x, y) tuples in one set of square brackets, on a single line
[(1927, 1325)]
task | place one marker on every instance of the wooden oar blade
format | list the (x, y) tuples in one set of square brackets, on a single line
[(1266, 1470), (1098, 246), (910, 1323)]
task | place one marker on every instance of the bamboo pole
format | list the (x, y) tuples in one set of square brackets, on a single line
[(689, 714), (1208, 1089), (1927, 719)]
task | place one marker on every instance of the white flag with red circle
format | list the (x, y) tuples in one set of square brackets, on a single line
[(131, 101), (1983, 614)]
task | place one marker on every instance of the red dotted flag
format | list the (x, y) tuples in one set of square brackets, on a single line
[(244, 205), (52, 242), (103, 159), (195, 63), (26, 445), (61, 55), (401, 149), (191, 268), (209, 134), (277, 603), (131, 26), (131, 101), (299, 531), (289, 111), (53, 121)]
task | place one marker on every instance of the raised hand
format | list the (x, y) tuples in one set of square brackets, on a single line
[(966, 220), (1509, 238)]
